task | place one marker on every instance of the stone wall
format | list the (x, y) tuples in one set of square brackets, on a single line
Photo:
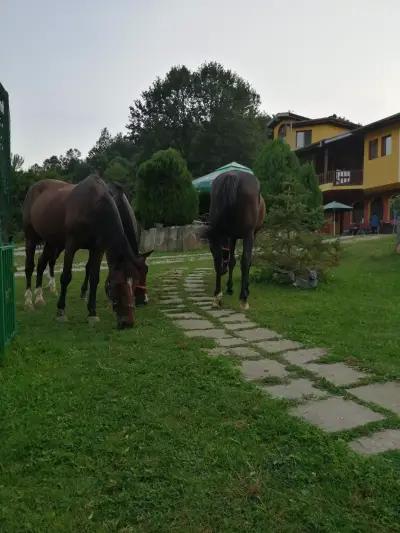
[(172, 239)]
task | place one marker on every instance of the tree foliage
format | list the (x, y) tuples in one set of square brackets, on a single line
[(211, 115), (291, 248), (165, 193), (276, 165)]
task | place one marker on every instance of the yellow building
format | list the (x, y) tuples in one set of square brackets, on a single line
[(356, 165)]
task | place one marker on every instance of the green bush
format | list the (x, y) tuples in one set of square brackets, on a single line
[(165, 193)]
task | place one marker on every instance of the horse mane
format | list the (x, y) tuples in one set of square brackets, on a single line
[(127, 215)]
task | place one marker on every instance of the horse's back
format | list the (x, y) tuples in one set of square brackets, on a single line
[(44, 210), (235, 201)]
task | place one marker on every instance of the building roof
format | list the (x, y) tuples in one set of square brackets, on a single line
[(354, 133), (282, 116), (333, 119)]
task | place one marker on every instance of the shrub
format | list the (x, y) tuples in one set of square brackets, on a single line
[(165, 193)]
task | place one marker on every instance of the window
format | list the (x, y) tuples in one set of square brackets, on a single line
[(303, 138), (386, 147), (373, 149), (282, 131)]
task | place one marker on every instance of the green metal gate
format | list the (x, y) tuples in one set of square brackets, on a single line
[(7, 283)]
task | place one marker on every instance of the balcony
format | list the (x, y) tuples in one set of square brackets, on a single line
[(339, 178)]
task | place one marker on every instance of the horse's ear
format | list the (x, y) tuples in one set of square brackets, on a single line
[(147, 254)]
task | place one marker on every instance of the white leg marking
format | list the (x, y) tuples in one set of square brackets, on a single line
[(52, 285), (39, 300), (28, 300)]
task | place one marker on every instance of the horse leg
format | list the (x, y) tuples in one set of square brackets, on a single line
[(95, 257), (41, 266), (248, 242), (232, 263), (30, 247), (52, 262), (216, 250), (85, 283), (65, 280)]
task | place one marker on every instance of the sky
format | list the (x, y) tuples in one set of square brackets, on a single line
[(72, 67)]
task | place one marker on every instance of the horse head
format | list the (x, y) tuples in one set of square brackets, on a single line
[(120, 292), (125, 286)]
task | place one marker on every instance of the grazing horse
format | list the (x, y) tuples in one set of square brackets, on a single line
[(237, 211), (131, 228), (72, 217)]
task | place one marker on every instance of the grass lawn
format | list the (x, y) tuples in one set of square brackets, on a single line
[(140, 431)]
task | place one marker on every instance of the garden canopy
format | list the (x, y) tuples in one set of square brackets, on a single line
[(204, 183)]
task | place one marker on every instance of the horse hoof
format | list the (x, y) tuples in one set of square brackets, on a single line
[(61, 316), (52, 286), (28, 304), (39, 300), (92, 320), (244, 305), (229, 291), (218, 300)]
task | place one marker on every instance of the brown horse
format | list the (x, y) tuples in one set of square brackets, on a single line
[(237, 211), (131, 228), (72, 217)]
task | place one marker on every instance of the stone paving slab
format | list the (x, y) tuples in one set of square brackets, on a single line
[(244, 352), (218, 351), (379, 442), (258, 334), (337, 373), (177, 308), (278, 346), (183, 315), (336, 414), (230, 341), (217, 313), (297, 389), (217, 334), (191, 324), (384, 394), (263, 368), (169, 301), (233, 317), (305, 355), (199, 299), (240, 325)]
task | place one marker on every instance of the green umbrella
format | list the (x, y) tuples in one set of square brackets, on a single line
[(336, 206), (204, 183)]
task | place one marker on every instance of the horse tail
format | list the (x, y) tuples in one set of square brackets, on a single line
[(223, 199)]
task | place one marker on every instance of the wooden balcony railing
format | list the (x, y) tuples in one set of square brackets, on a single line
[(341, 177)]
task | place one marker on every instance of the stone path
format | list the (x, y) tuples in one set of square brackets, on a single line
[(285, 369)]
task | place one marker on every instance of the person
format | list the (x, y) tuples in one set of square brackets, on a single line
[(374, 223)]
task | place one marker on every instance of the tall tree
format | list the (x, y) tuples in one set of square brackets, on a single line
[(210, 115)]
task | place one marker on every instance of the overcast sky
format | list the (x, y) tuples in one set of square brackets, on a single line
[(74, 66)]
